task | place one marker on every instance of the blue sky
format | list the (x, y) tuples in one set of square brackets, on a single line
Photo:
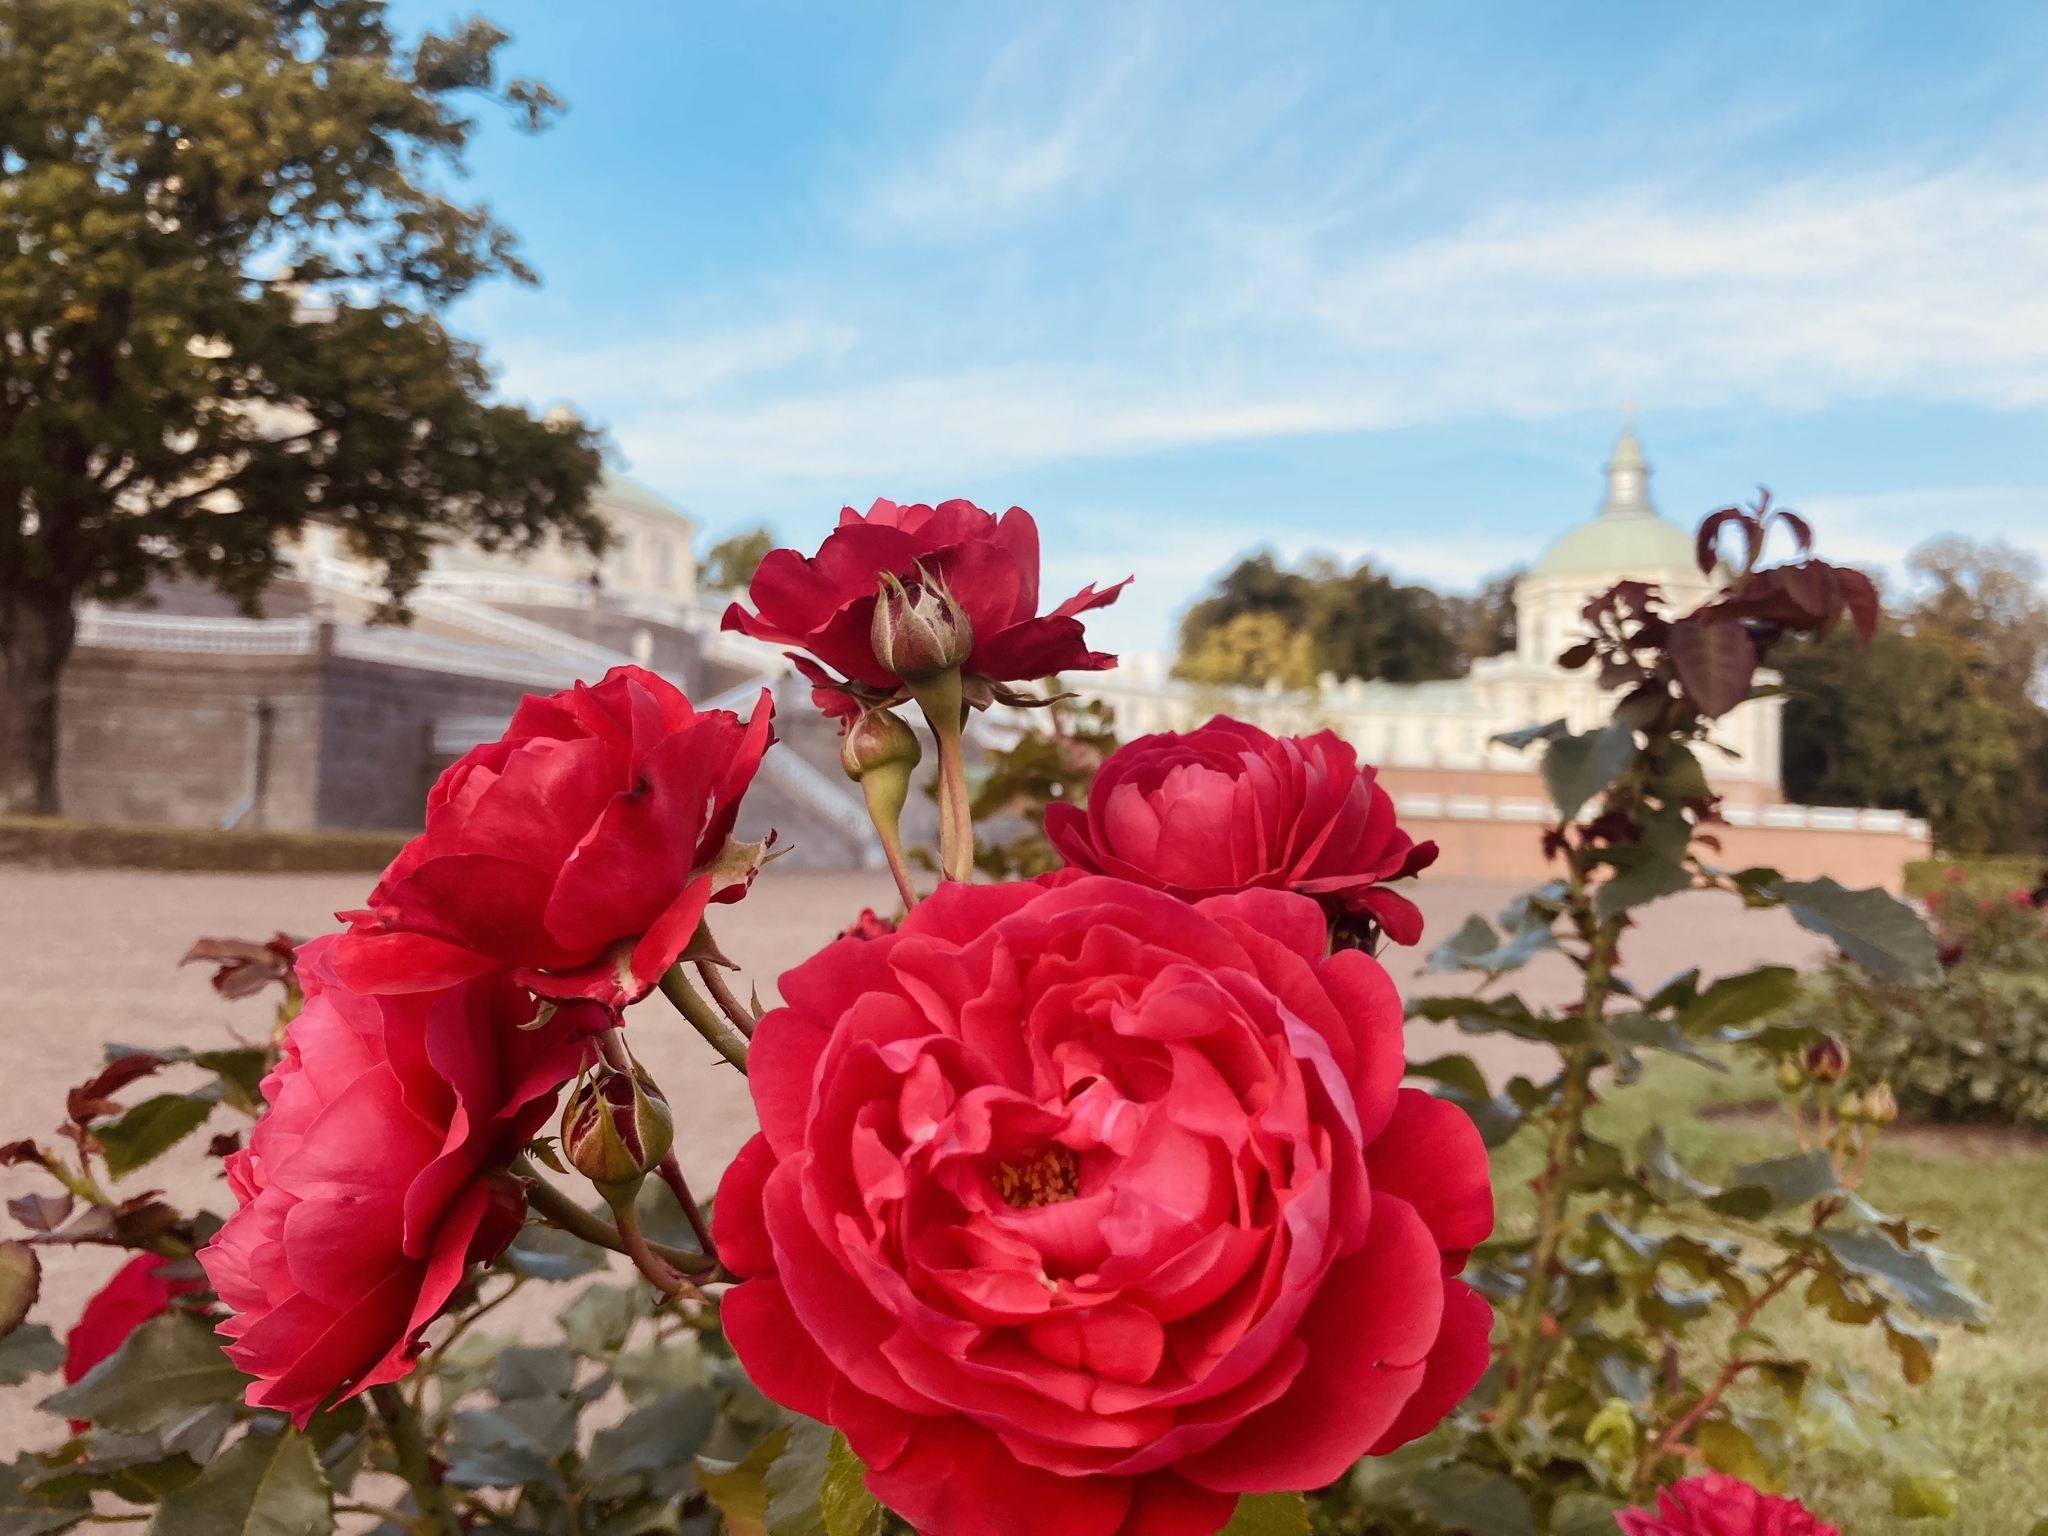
[(1183, 279)]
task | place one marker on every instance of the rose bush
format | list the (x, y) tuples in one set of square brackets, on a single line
[(1228, 807), (367, 1187), (579, 851), (1077, 1208), (824, 604), (1718, 1505)]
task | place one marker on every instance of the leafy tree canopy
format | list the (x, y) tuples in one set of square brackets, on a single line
[(226, 246), (1266, 621), (732, 561)]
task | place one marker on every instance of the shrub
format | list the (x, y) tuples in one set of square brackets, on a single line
[(1974, 1044)]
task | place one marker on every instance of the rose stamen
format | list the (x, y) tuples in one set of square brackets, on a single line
[(1052, 1176)]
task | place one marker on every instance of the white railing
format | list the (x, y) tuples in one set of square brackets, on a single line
[(1816, 818), (460, 611), (176, 632), (431, 653)]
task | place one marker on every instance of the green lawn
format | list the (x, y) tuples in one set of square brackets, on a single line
[(1987, 1406)]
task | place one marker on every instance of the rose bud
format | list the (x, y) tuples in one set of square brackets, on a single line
[(1849, 1106), (616, 1128), (920, 637), (1791, 1077), (878, 754), (1880, 1104), (1826, 1061)]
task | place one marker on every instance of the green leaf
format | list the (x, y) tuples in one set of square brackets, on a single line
[(511, 1444), (666, 1433), (597, 1321), (1476, 946), (1915, 1348), (525, 1371), (1508, 1015), (1529, 735), (21, 1281), (1738, 999), (1462, 1497), (1584, 1514), (1907, 1275), (1267, 1514), (164, 1369), (1756, 1190), (1728, 1448), (1496, 1116), (547, 1253), (1874, 928), (263, 1485), (24, 1514), (1923, 1484), (793, 1480), (844, 1503), (1632, 1032), (241, 1073), (29, 1351), (1666, 1177), (1647, 880), (153, 1127), (138, 1468), (1576, 768), (740, 1488), (1598, 1165), (645, 1374)]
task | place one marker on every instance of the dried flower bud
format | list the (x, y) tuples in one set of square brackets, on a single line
[(1826, 1061), (879, 739), (1880, 1104), (919, 637), (616, 1128), (1791, 1077)]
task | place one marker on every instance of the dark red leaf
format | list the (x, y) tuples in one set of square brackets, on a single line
[(1859, 592), (14, 1153), (1802, 531), (1577, 656), (115, 1076), (40, 1213), (245, 968), (1707, 547), (225, 1144), (142, 1220), (1812, 586), (1714, 663)]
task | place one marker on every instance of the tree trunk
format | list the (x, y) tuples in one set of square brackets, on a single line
[(37, 627)]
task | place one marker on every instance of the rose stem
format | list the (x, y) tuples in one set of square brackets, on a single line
[(705, 1019), (415, 1462), (671, 1173), (558, 1210), (888, 826), (939, 698), (634, 1244), (729, 1005)]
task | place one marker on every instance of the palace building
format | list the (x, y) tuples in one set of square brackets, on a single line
[(178, 710), (1434, 743)]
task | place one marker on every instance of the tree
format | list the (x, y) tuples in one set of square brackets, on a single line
[(1251, 649), (223, 263), (732, 561), (1359, 623), (1895, 725), (1484, 622), (1984, 606)]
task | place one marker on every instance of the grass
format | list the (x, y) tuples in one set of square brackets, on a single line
[(1986, 1409), (1991, 874), (55, 842)]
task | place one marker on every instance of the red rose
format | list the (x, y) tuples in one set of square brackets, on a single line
[(578, 851), (1080, 1209), (1717, 1505), (366, 1188), (868, 926), (825, 604), (1228, 807), (135, 1295)]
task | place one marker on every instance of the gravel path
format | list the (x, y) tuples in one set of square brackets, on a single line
[(90, 956)]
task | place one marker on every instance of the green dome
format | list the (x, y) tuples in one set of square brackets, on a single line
[(1627, 538)]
